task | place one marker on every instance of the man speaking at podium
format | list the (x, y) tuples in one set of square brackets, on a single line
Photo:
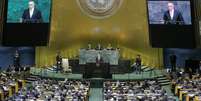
[(99, 60), (173, 16), (32, 14)]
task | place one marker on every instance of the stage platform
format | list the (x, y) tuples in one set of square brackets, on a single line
[(126, 76)]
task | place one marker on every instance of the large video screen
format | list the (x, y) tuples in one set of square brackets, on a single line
[(1, 16), (1, 13), (169, 12), (27, 22), (171, 23), (28, 11)]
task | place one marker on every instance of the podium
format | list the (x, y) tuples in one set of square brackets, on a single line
[(92, 70)]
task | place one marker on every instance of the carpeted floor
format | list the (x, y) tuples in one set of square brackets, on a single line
[(96, 94)]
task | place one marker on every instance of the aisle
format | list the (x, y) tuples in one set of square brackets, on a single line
[(169, 92), (96, 94)]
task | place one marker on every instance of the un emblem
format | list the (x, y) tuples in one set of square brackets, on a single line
[(99, 8)]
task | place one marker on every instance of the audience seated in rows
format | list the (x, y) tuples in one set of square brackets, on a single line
[(148, 90), (8, 85), (54, 90), (187, 87)]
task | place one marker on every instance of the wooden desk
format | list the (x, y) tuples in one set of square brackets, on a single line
[(1, 96), (189, 97), (181, 93), (13, 88), (197, 98), (21, 84), (10, 91), (177, 89)]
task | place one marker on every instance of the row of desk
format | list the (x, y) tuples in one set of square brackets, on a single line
[(9, 90), (148, 90), (54, 90), (186, 92)]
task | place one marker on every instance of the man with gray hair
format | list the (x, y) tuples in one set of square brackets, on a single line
[(32, 14), (173, 16)]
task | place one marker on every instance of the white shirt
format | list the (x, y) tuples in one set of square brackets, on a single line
[(171, 13), (99, 57), (31, 11)]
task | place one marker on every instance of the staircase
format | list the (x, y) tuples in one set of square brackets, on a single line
[(96, 90), (96, 94), (163, 80), (146, 68)]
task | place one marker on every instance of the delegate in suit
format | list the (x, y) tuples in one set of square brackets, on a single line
[(32, 14), (173, 16)]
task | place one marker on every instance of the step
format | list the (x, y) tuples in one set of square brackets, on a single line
[(29, 82), (31, 79), (165, 84), (161, 76), (162, 79), (165, 79), (34, 76), (144, 67), (96, 94)]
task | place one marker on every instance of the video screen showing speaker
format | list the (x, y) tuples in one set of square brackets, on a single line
[(27, 22), (171, 23)]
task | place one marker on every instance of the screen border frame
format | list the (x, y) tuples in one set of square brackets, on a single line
[(5, 15), (192, 21), (2, 8)]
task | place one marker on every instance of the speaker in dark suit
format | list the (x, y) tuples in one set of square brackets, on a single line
[(32, 14), (173, 16), (99, 60)]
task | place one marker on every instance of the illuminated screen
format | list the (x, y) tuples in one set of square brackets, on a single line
[(28, 11), (27, 22), (171, 23), (169, 12)]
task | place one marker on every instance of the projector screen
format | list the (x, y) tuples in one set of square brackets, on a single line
[(22, 11), (169, 12)]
